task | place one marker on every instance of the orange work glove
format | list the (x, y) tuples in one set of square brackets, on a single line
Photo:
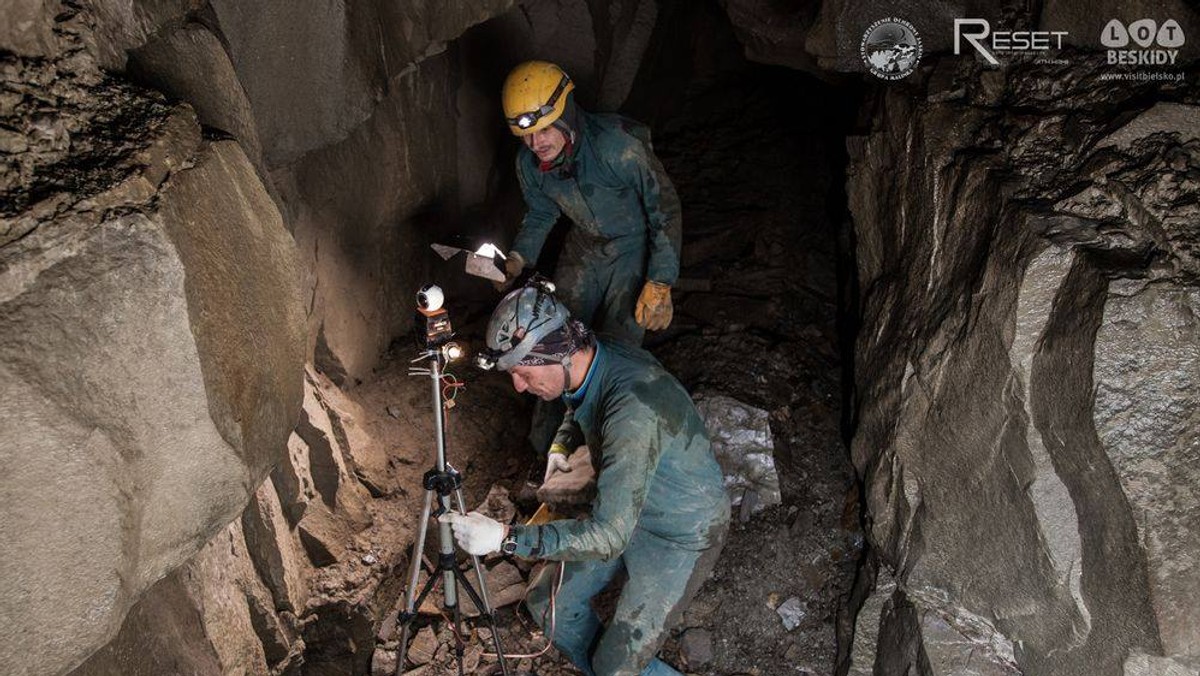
[(654, 309), (513, 265)]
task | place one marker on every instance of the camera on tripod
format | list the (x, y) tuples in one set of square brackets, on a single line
[(443, 488), (433, 330)]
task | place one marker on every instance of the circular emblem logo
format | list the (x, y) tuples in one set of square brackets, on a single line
[(891, 48)]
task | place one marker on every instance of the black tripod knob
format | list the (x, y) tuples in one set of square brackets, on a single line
[(444, 483)]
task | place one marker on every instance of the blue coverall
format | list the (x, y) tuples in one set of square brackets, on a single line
[(626, 215), (660, 513), (626, 229)]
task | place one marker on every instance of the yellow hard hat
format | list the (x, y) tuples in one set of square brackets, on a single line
[(535, 95)]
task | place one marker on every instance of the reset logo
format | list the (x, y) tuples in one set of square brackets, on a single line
[(1143, 33), (979, 34)]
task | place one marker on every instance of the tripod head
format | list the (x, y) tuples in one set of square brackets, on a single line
[(432, 328)]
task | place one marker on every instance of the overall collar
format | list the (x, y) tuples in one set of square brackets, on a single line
[(576, 397), (560, 160)]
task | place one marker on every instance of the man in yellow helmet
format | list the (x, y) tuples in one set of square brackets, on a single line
[(622, 255)]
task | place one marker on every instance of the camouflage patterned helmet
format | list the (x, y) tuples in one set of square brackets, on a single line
[(522, 319)]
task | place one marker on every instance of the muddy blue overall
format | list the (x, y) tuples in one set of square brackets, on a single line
[(626, 228), (660, 514)]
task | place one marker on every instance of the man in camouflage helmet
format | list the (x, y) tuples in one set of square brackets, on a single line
[(660, 511)]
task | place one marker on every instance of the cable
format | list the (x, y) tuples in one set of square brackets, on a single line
[(555, 586), (450, 387)]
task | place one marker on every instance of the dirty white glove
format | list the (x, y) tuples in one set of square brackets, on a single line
[(556, 461), (475, 533)]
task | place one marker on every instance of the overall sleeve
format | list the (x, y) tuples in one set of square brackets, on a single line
[(541, 215), (630, 449), (663, 213), (569, 434)]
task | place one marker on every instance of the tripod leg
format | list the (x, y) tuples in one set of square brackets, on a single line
[(407, 619), (459, 641), (481, 599), (414, 575), (490, 616)]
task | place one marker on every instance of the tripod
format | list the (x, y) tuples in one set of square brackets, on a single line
[(446, 482)]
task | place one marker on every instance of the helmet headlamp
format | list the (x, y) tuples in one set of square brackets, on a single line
[(530, 118)]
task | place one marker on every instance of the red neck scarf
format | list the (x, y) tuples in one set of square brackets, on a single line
[(559, 159)]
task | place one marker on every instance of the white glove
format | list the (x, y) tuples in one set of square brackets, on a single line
[(475, 533), (556, 461)]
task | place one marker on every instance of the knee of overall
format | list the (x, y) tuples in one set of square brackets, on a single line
[(537, 600)]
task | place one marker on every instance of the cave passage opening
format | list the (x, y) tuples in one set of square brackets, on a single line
[(758, 154)]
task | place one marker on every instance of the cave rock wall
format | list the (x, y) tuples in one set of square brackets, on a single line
[(1027, 371), (151, 341), (1026, 357), (349, 113), (267, 594)]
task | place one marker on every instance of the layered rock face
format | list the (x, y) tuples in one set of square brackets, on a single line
[(151, 337), (240, 605), (350, 110), (349, 114), (1027, 369), (1027, 354)]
